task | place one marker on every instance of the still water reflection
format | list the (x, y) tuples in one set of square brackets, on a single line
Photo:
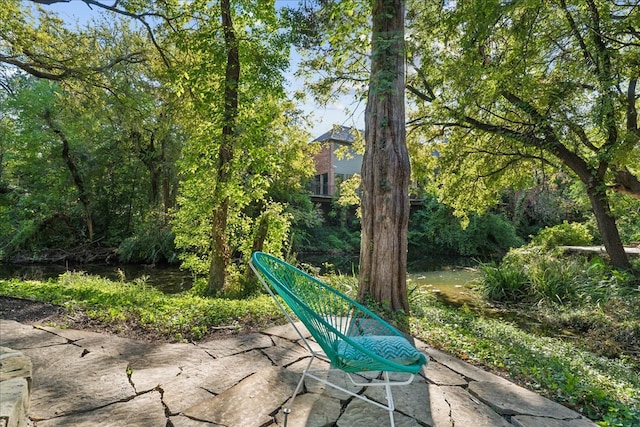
[(451, 285), (446, 276)]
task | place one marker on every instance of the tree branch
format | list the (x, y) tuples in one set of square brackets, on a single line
[(576, 33), (58, 72), (632, 112), (626, 183), (140, 17), (421, 95), (30, 68), (582, 136), (550, 141), (429, 96)]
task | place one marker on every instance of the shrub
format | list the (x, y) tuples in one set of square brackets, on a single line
[(502, 283), (488, 234), (565, 234), (152, 243), (534, 274), (331, 239), (435, 229)]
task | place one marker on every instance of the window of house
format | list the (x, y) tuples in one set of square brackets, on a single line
[(324, 184), (320, 184)]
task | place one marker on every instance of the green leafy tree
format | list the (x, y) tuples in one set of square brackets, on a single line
[(240, 135), (41, 45), (106, 120), (512, 87)]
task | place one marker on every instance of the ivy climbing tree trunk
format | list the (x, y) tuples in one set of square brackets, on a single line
[(385, 168), (220, 255)]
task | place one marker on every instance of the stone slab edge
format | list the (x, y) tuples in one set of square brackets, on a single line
[(15, 387)]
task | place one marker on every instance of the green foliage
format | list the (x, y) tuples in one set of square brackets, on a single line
[(565, 234), (627, 213), (334, 231), (530, 112), (347, 284), (231, 184), (182, 317), (501, 283), (488, 234), (152, 243), (434, 229), (605, 390), (118, 139), (532, 274), (330, 239), (549, 200)]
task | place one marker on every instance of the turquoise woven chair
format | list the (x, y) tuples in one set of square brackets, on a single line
[(352, 338)]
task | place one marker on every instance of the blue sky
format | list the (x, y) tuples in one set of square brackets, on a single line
[(322, 117)]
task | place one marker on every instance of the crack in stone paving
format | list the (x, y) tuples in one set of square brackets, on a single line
[(212, 393), (167, 411), (95, 408), (343, 407), (273, 363), (452, 421)]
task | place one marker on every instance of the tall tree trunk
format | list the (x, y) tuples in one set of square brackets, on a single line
[(220, 255), (151, 159), (167, 202), (385, 167), (259, 237), (607, 226)]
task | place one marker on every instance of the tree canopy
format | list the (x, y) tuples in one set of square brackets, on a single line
[(171, 122), (501, 89), (189, 96)]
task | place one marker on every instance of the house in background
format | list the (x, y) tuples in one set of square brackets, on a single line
[(332, 169)]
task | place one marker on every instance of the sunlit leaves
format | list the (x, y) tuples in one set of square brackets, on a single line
[(334, 46), (471, 60), (266, 150)]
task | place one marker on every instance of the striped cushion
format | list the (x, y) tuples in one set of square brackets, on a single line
[(393, 348)]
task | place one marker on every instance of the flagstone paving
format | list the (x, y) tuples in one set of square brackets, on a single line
[(82, 378)]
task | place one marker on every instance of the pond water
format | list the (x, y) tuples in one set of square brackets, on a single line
[(451, 285), (447, 277)]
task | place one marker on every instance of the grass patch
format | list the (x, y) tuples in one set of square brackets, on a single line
[(183, 316), (603, 389)]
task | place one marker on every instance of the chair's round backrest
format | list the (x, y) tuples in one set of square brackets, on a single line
[(331, 317)]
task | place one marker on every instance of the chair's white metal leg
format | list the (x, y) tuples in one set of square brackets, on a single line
[(390, 404), (287, 409)]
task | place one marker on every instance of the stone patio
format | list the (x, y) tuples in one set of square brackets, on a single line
[(89, 379)]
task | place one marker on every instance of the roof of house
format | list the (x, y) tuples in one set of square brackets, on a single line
[(340, 134)]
